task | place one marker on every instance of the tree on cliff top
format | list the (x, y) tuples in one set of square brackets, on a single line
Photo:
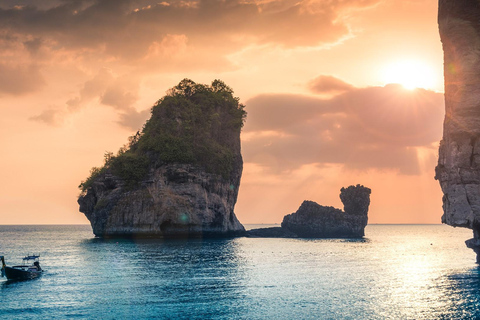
[(193, 123)]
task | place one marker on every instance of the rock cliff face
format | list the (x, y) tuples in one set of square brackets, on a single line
[(175, 200), (179, 177), (312, 220), (458, 169)]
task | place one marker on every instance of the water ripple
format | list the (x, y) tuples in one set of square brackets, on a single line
[(397, 272)]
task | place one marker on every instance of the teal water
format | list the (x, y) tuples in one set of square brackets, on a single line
[(395, 272)]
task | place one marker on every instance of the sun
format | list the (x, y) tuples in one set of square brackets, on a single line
[(410, 74)]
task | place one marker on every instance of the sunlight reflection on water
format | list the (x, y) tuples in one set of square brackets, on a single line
[(396, 272)]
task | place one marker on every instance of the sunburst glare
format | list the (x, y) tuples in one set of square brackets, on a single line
[(410, 74)]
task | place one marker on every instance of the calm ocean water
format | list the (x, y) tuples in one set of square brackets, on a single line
[(396, 272)]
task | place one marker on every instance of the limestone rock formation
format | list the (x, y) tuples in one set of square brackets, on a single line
[(179, 177), (458, 169), (312, 220), (175, 200)]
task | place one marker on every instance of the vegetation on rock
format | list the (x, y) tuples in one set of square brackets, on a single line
[(193, 123)]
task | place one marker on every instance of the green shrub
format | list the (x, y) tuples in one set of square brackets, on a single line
[(130, 167), (194, 123), (94, 173)]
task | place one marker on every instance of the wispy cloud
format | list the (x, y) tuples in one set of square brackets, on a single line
[(20, 79), (328, 85)]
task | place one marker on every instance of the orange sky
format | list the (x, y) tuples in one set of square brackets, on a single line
[(78, 77)]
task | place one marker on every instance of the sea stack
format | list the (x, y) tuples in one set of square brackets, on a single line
[(312, 220), (179, 176), (458, 169)]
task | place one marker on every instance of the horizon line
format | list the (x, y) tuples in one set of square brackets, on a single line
[(262, 223)]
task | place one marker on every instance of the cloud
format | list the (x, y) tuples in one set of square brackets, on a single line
[(93, 88), (374, 127), (118, 92), (33, 45), (51, 116), (120, 95), (129, 40), (20, 79), (127, 29), (44, 4), (115, 91), (329, 85), (133, 119)]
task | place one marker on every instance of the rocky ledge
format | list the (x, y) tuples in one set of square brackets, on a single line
[(312, 220)]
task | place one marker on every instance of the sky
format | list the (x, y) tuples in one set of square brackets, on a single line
[(338, 93)]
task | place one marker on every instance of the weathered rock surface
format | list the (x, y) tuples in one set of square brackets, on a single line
[(458, 169), (312, 220), (177, 200)]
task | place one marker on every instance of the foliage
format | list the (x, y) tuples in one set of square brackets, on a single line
[(129, 166), (194, 123), (94, 173)]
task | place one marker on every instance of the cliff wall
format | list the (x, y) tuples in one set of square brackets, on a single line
[(176, 200), (458, 169)]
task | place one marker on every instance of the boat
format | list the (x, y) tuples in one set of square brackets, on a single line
[(29, 269)]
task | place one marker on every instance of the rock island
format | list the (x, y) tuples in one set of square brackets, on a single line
[(312, 220), (179, 175)]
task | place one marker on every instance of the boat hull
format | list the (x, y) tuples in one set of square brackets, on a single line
[(16, 274)]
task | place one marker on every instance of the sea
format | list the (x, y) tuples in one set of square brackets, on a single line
[(394, 272)]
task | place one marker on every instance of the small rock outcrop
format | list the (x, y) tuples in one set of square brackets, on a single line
[(312, 220), (179, 177), (458, 169), (271, 232)]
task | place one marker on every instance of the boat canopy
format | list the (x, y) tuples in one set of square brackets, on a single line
[(31, 257)]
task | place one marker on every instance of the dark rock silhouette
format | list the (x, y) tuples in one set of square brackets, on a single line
[(272, 232), (458, 169), (312, 220)]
